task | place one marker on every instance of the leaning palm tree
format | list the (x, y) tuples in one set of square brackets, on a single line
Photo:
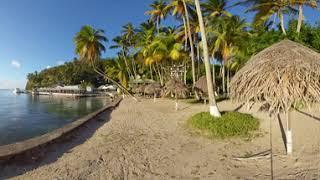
[(89, 46), (301, 3), (214, 111)]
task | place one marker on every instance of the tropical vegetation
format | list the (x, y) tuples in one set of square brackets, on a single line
[(206, 39)]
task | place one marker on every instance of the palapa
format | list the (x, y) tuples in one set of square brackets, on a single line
[(281, 76), (177, 88)]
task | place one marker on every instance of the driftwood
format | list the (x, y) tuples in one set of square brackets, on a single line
[(258, 156)]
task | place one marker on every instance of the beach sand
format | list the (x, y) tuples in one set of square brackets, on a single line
[(147, 140)]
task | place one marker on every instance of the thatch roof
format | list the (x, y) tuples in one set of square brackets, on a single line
[(154, 88), (138, 89), (201, 84), (281, 76), (176, 87)]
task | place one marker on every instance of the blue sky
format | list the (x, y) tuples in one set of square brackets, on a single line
[(35, 34)]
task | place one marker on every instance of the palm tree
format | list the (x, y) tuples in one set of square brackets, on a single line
[(265, 9), (180, 8), (301, 3), (129, 33), (158, 12), (163, 50), (122, 43), (145, 36), (118, 71), (214, 111), (89, 46), (226, 33), (215, 8)]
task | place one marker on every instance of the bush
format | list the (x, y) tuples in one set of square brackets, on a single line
[(230, 124)]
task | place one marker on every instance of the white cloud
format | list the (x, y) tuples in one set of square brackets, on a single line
[(16, 64), (48, 67), (60, 62)]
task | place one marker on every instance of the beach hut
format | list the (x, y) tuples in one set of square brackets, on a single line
[(177, 88), (282, 76), (153, 89)]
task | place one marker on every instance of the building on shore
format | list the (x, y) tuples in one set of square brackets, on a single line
[(74, 90)]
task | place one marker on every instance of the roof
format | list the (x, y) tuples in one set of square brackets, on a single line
[(282, 75)]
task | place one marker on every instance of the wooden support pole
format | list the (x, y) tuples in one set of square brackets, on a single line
[(289, 133)]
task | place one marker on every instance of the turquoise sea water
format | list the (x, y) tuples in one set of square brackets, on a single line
[(25, 116)]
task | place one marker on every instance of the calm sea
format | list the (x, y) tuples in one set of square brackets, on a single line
[(24, 116)]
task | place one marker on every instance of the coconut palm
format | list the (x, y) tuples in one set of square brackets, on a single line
[(180, 9), (129, 33), (300, 4), (225, 34), (265, 9), (158, 12), (214, 8), (145, 35), (214, 111), (163, 50), (118, 70), (89, 46), (122, 43)]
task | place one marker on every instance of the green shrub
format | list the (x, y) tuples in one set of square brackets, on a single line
[(230, 124)]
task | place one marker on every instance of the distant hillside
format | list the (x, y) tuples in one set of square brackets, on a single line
[(70, 73)]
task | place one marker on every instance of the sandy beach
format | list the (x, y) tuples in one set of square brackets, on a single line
[(147, 140)]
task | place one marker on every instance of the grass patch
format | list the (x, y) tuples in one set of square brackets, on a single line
[(230, 124)]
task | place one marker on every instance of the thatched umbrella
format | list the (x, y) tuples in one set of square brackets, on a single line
[(139, 89), (280, 76), (176, 87), (201, 85), (153, 89)]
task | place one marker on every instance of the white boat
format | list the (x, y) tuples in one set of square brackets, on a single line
[(17, 91)]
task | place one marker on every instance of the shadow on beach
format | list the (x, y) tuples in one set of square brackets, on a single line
[(51, 152)]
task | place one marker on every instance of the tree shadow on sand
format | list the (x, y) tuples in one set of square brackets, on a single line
[(51, 152)]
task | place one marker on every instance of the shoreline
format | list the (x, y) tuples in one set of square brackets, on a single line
[(16, 149)]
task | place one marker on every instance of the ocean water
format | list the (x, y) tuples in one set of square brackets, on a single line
[(24, 116)]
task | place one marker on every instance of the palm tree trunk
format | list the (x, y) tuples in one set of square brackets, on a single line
[(185, 33), (223, 78), (198, 59), (289, 133), (191, 44), (126, 63), (300, 18), (213, 75), (158, 24), (228, 82), (151, 73), (134, 69), (214, 111), (282, 23)]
